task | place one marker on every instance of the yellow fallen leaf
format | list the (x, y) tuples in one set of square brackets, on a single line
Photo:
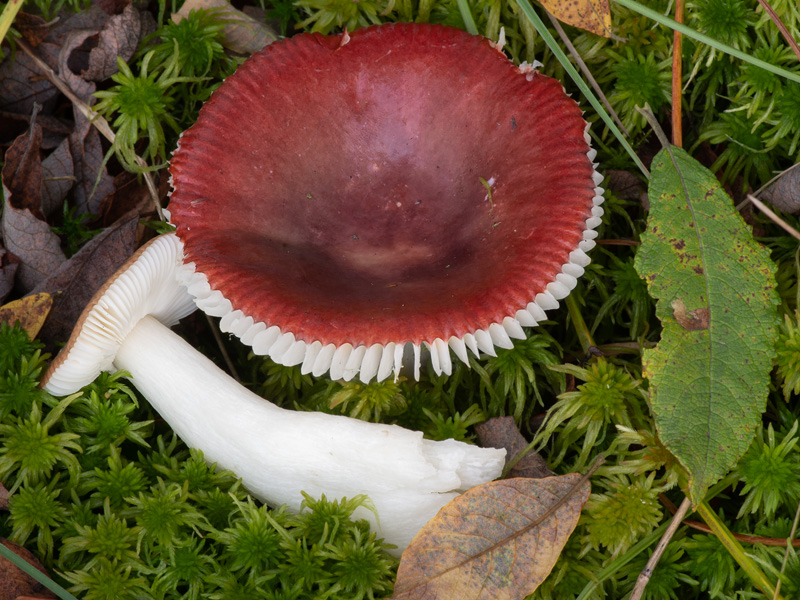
[(31, 312), (498, 541), (592, 15)]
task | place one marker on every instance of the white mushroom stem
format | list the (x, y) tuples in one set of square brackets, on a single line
[(279, 453)]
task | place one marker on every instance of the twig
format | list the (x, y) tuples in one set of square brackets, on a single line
[(789, 540), (585, 70), (773, 217), (781, 27), (647, 572), (677, 75), (223, 350), (742, 537), (94, 118)]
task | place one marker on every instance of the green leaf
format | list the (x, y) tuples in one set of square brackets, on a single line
[(715, 292)]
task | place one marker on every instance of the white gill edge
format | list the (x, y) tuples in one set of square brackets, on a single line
[(146, 287)]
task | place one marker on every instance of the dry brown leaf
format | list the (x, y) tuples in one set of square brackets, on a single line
[(15, 583), (30, 311), (3, 497), (119, 37), (784, 194), (592, 15), (22, 171), (58, 177), (502, 432), (32, 28), (32, 242), (82, 275), (23, 84), (130, 193), (54, 130), (8, 269), (498, 541), (242, 33)]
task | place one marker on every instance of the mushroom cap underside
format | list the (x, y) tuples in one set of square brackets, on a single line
[(405, 183), (145, 285)]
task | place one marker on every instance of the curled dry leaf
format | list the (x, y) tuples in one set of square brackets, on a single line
[(502, 432), (242, 33), (592, 15), (95, 59), (30, 312), (22, 171), (784, 194), (497, 541)]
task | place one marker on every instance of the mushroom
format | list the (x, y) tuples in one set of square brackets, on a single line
[(277, 453), (346, 199)]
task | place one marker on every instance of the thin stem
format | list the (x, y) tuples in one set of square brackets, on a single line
[(585, 70), (527, 9), (774, 217), (688, 32), (781, 27), (735, 549), (647, 572), (223, 350), (677, 75), (789, 541), (619, 562)]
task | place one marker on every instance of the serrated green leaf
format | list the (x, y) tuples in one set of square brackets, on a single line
[(715, 297)]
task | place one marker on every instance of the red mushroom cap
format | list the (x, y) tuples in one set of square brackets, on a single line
[(405, 183)]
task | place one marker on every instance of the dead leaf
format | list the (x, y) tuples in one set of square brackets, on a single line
[(54, 130), (3, 497), (32, 242), (82, 275), (498, 541), (22, 171), (502, 432), (14, 582), (625, 185), (130, 193), (8, 268), (23, 84), (30, 311), (84, 141), (58, 177), (119, 37), (242, 33), (784, 194), (32, 28), (113, 7), (592, 15)]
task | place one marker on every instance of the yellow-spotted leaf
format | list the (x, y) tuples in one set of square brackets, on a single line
[(715, 295), (497, 541), (30, 311)]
